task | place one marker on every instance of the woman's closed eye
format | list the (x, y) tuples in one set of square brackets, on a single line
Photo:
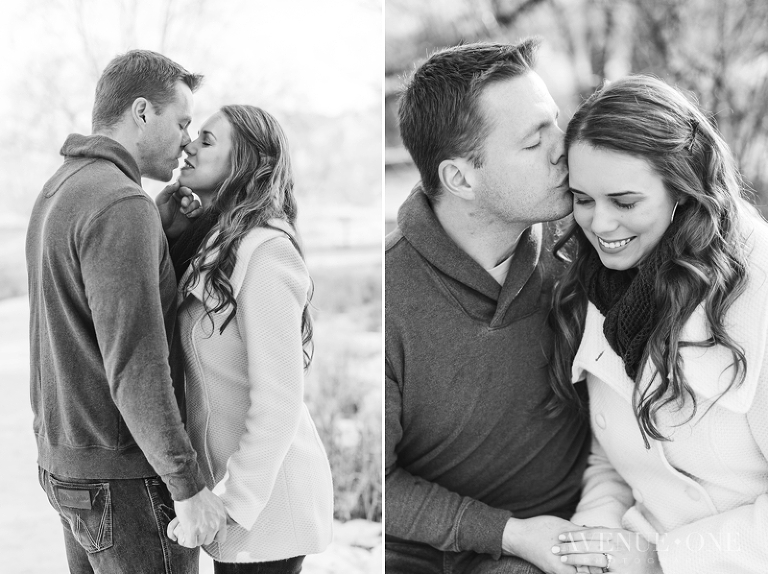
[(622, 205), (581, 199)]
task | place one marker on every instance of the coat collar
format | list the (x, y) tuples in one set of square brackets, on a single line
[(708, 370)]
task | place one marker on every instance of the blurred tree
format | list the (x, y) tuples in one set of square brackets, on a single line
[(719, 52), (336, 148), (58, 75), (716, 50)]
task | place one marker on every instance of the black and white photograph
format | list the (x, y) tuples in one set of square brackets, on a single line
[(191, 286), (576, 286), (384, 286)]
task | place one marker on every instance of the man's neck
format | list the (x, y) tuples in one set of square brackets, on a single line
[(486, 239), (124, 138)]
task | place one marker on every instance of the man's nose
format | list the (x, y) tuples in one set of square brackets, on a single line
[(558, 149), (185, 140)]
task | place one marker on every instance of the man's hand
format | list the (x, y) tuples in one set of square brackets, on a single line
[(533, 538), (177, 205), (199, 520)]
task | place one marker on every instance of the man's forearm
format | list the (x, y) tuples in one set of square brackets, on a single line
[(426, 512)]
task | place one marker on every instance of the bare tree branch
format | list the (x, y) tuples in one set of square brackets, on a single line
[(166, 25), (82, 32)]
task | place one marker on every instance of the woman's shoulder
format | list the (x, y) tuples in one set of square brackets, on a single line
[(755, 232), (257, 236), (270, 248), (277, 238)]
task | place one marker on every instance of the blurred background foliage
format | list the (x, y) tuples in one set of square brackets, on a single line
[(316, 66), (298, 59), (714, 50)]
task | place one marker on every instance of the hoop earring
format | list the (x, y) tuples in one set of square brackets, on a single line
[(672, 219)]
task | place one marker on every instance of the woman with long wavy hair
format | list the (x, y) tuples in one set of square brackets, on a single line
[(664, 310), (246, 332)]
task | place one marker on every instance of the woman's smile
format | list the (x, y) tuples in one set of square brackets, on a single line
[(620, 202), (613, 246)]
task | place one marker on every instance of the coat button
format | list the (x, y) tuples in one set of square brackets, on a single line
[(637, 495), (693, 494), (600, 420)]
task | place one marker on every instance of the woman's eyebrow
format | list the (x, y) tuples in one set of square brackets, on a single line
[(623, 193), (617, 194)]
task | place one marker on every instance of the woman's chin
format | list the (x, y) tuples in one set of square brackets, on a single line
[(616, 263)]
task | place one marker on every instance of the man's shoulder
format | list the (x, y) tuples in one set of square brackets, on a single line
[(392, 239), (105, 179), (397, 252), (99, 187), (82, 190), (400, 259)]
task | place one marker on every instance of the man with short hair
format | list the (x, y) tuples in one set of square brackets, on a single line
[(113, 454), (478, 477)]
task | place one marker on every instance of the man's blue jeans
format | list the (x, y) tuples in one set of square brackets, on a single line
[(117, 526), (404, 557)]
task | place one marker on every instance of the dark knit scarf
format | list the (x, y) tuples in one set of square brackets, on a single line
[(627, 300), (184, 248)]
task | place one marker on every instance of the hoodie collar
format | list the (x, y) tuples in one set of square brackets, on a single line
[(419, 225), (102, 147)]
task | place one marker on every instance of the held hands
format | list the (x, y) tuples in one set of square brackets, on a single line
[(200, 519), (532, 539), (177, 205), (608, 550)]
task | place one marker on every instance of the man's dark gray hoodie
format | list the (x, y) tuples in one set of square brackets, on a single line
[(102, 296), (468, 444)]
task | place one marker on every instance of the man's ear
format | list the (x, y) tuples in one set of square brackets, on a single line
[(458, 176), (139, 111)]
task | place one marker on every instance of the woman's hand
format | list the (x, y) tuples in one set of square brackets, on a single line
[(612, 549), (532, 538), (177, 205)]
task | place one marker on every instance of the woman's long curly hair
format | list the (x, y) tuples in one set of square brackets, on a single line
[(259, 187), (647, 119)]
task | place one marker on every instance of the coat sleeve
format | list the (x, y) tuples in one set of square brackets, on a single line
[(423, 511), (120, 255), (732, 541), (605, 497), (270, 305)]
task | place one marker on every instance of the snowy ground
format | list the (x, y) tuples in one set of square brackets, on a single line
[(30, 533)]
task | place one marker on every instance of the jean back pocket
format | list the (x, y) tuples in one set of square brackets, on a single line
[(87, 507)]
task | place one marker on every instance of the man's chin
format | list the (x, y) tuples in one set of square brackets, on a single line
[(162, 176), (561, 211)]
